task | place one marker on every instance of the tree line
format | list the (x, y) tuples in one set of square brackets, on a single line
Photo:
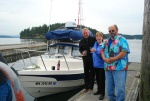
[(40, 31)]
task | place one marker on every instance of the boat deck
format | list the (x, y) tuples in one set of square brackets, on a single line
[(132, 87)]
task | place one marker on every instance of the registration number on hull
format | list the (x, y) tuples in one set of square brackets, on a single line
[(45, 83)]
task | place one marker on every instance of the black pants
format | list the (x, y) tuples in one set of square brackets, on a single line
[(100, 79), (89, 74)]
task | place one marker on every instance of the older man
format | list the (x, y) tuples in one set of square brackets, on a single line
[(84, 48), (115, 54)]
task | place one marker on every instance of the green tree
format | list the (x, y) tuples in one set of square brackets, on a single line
[(39, 32)]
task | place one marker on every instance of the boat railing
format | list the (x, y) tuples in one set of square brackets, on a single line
[(28, 52), (46, 53)]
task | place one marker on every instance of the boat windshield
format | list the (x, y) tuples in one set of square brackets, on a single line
[(66, 50), (63, 50), (52, 50), (75, 51)]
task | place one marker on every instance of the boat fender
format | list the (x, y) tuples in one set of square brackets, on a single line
[(15, 83)]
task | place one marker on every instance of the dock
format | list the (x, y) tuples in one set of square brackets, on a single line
[(10, 53), (132, 87)]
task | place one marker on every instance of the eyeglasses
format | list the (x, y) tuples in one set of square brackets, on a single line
[(111, 31)]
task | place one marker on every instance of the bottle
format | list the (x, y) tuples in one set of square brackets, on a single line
[(58, 65)]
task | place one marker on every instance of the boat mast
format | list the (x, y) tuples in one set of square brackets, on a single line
[(79, 15), (49, 28), (50, 16)]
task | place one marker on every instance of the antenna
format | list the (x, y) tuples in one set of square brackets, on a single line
[(49, 22), (50, 16), (80, 15)]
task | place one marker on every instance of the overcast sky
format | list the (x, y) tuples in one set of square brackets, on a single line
[(17, 15)]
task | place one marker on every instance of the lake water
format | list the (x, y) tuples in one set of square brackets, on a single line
[(18, 41), (134, 56), (10, 41), (135, 50)]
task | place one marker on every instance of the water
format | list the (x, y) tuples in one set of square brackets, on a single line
[(135, 50), (18, 41), (10, 41)]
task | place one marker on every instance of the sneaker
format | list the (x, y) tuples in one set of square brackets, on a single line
[(101, 97), (96, 93)]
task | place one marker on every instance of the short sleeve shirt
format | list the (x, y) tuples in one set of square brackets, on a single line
[(119, 44)]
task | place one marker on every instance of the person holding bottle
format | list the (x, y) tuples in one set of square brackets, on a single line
[(98, 64)]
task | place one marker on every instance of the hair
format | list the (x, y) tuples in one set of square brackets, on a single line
[(86, 29), (116, 27), (99, 33)]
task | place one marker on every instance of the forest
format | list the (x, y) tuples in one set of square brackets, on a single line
[(40, 31)]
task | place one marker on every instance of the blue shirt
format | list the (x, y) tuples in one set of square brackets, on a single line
[(98, 62)]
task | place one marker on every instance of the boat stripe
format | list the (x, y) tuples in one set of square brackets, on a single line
[(61, 77)]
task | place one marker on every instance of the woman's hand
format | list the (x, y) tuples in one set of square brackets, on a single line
[(93, 50), (106, 60)]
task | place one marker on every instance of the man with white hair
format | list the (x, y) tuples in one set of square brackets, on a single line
[(84, 48)]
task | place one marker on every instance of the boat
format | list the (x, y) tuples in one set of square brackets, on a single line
[(57, 70), (55, 73)]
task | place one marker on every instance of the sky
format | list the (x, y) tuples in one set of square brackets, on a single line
[(17, 15)]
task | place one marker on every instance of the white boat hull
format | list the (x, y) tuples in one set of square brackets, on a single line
[(42, 83), (59, 70)]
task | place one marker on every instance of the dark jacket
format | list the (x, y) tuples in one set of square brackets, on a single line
[(84, 45)]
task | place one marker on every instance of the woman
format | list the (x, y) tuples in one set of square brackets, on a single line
[(98, 65)]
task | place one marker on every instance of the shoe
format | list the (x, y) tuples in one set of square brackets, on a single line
[(85, 90), (90, 91), (101, 97), (96, 93)]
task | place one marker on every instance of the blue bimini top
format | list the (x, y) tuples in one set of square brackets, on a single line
[(71, 34)]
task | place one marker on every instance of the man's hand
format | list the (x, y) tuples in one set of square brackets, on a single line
[(111, 59), (106, 60), (119, 56), (84, 53)]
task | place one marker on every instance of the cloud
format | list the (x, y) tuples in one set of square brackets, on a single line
[(16, 15)]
